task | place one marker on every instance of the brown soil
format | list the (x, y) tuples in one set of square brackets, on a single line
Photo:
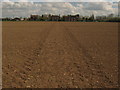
[(60, 55)]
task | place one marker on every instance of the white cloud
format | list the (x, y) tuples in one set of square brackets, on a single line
[(61, 0), (27, 8)]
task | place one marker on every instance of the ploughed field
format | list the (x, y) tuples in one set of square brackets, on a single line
[(60, 54)]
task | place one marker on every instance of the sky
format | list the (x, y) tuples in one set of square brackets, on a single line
[(61, 0), (24, 8)]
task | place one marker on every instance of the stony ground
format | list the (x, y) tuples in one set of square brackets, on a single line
[(60, 54)]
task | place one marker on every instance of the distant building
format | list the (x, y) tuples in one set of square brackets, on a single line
[(71, 18), (66, 18), (34, 17), (54, 18), (46, 17), (111, 15), (100, 17)]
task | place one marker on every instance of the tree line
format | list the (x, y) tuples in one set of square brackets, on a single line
[(77, 18)]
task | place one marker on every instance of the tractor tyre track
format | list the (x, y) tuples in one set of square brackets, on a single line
[(94, 67)]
